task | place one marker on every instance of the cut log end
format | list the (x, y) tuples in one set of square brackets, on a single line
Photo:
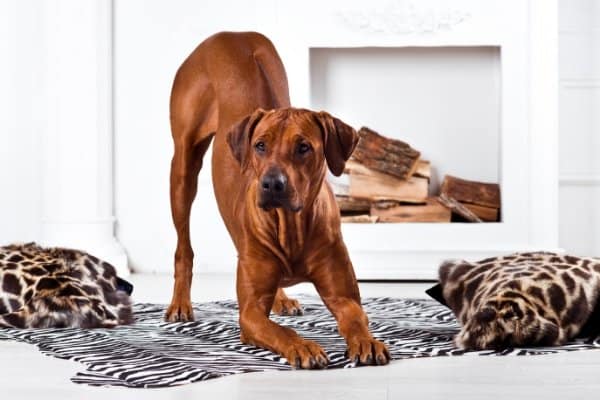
[(390, 156), (472, 192), (432, 211), (352, 204), (454, 205)]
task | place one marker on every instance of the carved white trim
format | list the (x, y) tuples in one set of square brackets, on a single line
[(402, 16)]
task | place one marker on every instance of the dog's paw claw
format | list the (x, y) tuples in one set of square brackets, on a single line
[(368, 351), (179, 313), (306, 354)]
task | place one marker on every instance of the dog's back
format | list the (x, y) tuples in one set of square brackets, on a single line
[(227, 77)]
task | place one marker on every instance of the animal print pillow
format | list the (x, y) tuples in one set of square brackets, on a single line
[(521, 299), (60, 288)]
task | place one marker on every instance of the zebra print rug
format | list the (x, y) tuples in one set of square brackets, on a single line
[(153, 353)]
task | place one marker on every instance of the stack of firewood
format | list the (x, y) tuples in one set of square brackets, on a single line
[(389, 182)]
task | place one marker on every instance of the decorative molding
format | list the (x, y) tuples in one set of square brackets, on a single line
[(579, 180), (403, 16)]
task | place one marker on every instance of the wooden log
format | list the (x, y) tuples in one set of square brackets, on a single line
[(352, 204), (423, 169), (385, 204), (364, 219), (432, 211), (488, 214), (390, 156), (478, 193), (413, 190), (356, 168), (369, 184), (454, 205)]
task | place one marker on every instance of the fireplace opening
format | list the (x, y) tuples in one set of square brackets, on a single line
[(443, 103)]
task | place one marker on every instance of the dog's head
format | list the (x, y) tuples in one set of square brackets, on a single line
[(285, 150)]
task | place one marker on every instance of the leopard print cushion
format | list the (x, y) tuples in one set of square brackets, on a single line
[(60, 288), (521, 299)]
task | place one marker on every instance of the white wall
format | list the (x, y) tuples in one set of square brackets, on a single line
[(20, 70), (579, 125)]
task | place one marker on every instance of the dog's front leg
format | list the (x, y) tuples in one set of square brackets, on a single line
[(333, 276), (257, 283)]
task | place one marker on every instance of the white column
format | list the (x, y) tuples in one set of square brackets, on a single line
[(77, 162), (543, 117)]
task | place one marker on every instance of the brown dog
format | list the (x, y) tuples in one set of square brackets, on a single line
[(268, 172)]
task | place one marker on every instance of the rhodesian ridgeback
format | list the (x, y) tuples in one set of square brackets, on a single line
[(268, 168)]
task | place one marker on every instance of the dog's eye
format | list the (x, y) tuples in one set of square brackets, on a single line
[(303, 148), (260, 146)]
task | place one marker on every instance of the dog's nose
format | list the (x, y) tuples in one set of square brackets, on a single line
[(274, 183)]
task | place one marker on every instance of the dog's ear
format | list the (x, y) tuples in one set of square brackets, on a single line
[(339, 140), (239, 136)]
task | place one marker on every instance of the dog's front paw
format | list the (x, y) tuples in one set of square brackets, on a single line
[(368, 351), (179, 311), (306, 354), (286, 306)]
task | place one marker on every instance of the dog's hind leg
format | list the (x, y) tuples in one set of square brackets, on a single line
[(193, 124), (283, 305)]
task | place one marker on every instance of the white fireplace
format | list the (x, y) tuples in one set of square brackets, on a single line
[(472, 84)]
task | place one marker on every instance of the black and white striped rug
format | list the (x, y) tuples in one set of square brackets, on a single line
[(152, 353)]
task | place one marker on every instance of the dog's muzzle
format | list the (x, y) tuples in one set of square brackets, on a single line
[(274, 191)]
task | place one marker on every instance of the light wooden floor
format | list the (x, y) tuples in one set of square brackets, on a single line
[(26, 374)]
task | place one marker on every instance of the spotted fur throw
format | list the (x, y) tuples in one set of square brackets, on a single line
[(59, 288), (522, 299)]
